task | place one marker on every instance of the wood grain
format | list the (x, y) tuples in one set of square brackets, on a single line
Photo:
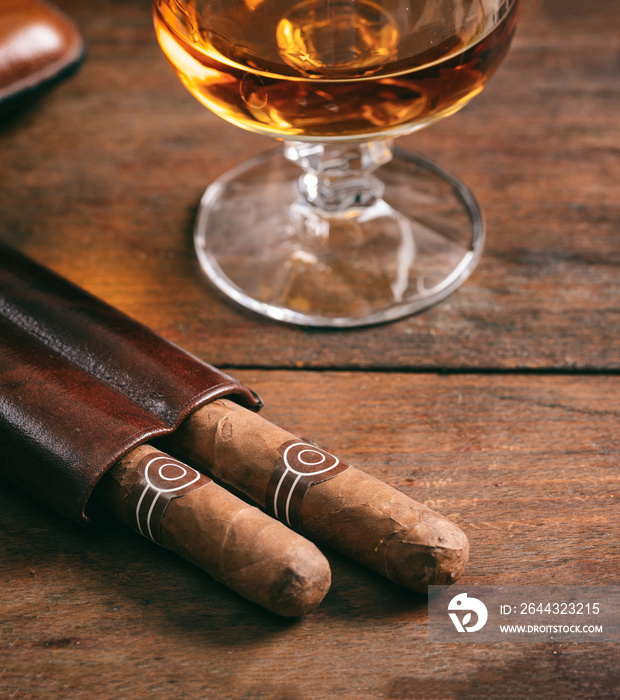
[(527, 466), (101, 179)]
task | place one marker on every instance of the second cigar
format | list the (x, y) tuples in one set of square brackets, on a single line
[(325, 499)]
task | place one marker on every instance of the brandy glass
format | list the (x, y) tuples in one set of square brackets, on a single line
[(337, 228)]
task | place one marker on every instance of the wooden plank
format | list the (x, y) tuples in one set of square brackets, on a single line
[(101, 179), (527, 466)]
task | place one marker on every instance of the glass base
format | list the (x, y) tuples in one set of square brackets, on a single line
[(407, 245)]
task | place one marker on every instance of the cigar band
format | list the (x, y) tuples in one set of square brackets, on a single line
[(300, 466), (162, 478)]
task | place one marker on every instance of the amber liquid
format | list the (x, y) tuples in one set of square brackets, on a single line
[(334, 69)]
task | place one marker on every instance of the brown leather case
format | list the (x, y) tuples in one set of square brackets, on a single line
[(38, 45), (81, 384)]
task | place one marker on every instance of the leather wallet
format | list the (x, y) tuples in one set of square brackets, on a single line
[(82, 384), (38, 45)]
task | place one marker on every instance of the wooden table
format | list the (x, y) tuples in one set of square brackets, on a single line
[(499, 407)]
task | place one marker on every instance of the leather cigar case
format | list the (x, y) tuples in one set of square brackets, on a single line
[(82, 384)]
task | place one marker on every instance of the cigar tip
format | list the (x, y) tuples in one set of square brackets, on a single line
[(431, 553), (303, 583)]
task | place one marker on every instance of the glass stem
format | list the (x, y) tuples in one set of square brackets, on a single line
[(338, 177)]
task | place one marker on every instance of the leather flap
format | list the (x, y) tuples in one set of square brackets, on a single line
[(82, 384)]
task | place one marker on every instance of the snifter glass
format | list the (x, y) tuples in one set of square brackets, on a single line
[(337, 228)]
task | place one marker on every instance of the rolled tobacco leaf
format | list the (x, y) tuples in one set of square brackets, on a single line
[(237, 544), (324, 498)]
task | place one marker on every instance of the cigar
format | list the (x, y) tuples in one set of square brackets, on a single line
[(326, 500), (236, 543)]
